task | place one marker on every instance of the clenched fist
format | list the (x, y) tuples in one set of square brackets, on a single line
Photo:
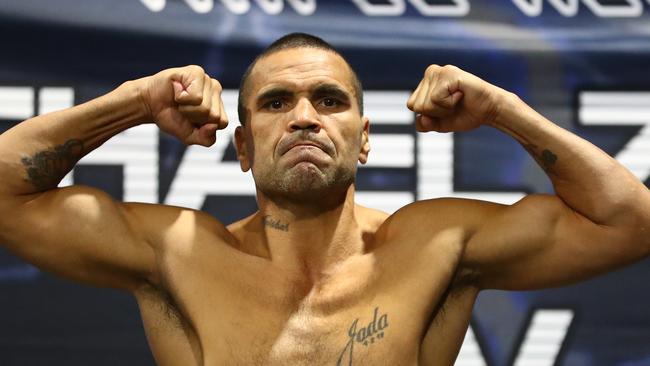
[(449, 99), (186, 103)]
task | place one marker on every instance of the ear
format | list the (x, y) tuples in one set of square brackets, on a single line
[(240, 146), (365, 143)]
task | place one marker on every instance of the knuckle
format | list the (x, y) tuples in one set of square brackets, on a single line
[(216, 85), (409, 104), (449, 71), (215, 116), (449, 68), (196, 69), (432, 69), (445, 71)]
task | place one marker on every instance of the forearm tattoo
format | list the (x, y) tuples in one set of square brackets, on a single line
[(45, 169), (546, 159), (367, 336)]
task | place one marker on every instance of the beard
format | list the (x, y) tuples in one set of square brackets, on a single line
[(306, 184)]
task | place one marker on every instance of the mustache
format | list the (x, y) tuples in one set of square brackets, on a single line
[(306, 137)]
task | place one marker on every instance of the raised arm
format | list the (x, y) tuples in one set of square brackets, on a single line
[(598, 220), (80, 232)]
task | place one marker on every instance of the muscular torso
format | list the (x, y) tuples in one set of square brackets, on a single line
[(402, 302)]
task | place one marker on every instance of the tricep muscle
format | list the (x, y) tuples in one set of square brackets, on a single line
[(80, 233)]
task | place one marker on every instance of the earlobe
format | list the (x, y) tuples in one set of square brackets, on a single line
[(365, 143), (240, 146)]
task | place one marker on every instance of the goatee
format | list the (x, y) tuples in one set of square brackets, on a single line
[(306, 184)]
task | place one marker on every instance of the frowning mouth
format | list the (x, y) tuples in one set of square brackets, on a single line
[(305, 144), (298, 149), (305, 141)]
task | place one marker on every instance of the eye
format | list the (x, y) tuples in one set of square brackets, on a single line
[(274, 105), (330, 102)]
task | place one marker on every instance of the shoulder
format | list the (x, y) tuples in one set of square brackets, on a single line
[(167, 225), (446, 211), (369, 218), (427, 218)]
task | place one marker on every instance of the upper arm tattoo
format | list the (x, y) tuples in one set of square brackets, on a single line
[(46, 168)]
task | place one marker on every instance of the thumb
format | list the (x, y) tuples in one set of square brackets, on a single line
[(179, 91), (188, 86), (456, 97)]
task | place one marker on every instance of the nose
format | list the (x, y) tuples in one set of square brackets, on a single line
[(305, 117)]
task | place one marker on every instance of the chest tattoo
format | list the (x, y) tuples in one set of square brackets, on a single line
[(368, 335)]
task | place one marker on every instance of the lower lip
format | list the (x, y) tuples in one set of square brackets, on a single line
[(305, 146), (308, 153)]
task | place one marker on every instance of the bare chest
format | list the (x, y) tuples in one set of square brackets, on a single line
[(361, 336), (372, 311)]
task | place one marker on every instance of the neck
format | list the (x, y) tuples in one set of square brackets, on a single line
[(308, 239)]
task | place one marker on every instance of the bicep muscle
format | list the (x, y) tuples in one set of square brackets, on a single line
[(540, 242)]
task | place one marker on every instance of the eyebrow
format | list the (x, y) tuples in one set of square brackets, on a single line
[(331, 90), (274, 93), (322, 90)]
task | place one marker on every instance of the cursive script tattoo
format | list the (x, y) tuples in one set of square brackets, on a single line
[(367, 336), (46, 168), (275, 224), (546, 159)]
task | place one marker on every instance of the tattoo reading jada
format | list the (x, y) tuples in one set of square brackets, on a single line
[(46, 168), (367, 336)]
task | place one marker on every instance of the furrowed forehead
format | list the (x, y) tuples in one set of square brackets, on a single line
[(298, 64)]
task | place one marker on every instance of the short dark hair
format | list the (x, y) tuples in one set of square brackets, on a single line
[(289, 41)]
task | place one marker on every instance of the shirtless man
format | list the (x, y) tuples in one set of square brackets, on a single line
[(312, 278)]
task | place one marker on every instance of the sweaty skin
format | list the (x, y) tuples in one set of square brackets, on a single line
[(245, 310), (312, 278)]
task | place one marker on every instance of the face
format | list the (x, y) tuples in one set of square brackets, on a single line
[(305, 132)]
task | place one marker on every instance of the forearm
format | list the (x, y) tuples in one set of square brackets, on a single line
[(37, 153), (584, 177)]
